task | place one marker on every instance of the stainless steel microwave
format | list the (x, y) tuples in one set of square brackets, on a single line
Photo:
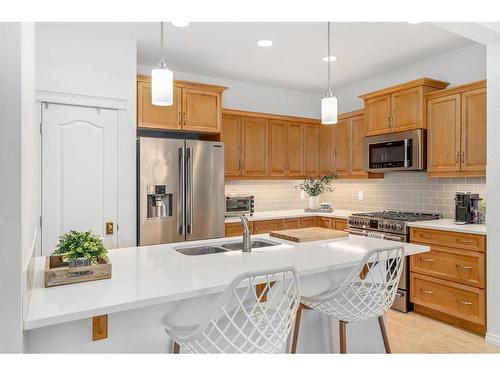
[(239, 204), (403, 151)]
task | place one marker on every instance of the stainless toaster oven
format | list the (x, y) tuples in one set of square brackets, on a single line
[(239, 204)]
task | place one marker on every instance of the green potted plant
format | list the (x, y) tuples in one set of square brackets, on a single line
[(314, 187), (81, 249)]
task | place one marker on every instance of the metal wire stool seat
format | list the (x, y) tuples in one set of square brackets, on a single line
[(255, 314), (367, 292)]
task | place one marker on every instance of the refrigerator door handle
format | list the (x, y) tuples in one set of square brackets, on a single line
[(181, 212), (189, 190)]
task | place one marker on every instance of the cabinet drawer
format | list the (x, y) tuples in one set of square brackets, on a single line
[(291, 223), (266, 226), (325, 222), (461, 266), (340, 224), (308, 222), (235, 229), (457, 300), (464, 241)]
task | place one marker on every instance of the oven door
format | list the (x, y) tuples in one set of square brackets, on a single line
[(402, 300), (395, 152)]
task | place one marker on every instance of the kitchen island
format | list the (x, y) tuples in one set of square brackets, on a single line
[(152, 282)]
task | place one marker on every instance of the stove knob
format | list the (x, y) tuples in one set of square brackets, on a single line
[(393, 226), (399, 227)]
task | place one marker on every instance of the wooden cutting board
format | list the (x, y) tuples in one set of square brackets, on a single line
[(308, 234)]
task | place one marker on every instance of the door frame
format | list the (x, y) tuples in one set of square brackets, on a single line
[(101, 102)]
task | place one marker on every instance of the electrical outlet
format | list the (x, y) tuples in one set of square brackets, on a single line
[(360, 195), (302, 195)]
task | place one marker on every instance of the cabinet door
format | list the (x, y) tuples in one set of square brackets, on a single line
[(407, 109), (201, 110), (325, 222), (157, 117), (277, 148), (342, 141), (291, 223), (443, 134), (311, 154), (378, 111), (295, 149), (266, 226), (326, 150), (232, 138), (340, 224), (254, 146), (358, 133), (473, 150), (308, 222)]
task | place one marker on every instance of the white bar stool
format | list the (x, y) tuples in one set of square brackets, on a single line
[(367, 292), (254, 314)]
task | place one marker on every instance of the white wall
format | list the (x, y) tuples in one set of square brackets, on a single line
[(257, 98), (493, 194), (17, 187), (463, 65), (72, 60)]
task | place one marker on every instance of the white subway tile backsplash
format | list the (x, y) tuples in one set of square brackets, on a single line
[(397, 191)]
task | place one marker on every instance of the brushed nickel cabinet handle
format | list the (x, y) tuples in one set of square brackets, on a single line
[(462, 157), (468, 303), (179, 118), (426, 291), (463, 267), (457, 158), (184, 118), (429, 260)]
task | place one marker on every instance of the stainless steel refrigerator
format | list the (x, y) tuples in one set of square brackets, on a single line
[(180, 190)]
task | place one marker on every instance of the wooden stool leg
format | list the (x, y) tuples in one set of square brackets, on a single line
[(343, 336), (295, 337), (177, 348), (381, 323)]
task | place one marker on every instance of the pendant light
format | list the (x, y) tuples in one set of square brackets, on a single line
[(162, 78), (329, 101)]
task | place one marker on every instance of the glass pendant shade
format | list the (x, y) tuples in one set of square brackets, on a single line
[(329, 110), (162, 86)]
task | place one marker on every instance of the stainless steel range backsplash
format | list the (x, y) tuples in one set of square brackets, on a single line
[(412, 191)]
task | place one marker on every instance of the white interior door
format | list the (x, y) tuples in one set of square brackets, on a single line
[(79, 172)]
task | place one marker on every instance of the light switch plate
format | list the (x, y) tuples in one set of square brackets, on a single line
[(360, 195)]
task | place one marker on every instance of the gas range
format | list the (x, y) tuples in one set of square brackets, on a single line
[(394, 222)]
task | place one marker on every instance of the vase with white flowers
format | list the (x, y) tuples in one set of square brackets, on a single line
[(314, 187)]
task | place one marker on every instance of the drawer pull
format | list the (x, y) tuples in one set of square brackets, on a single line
[(465, 302), (430, 260), (427, 235), (426, 291), (464, 267), (461, 240)]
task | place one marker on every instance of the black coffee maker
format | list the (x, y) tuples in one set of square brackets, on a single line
[(467, 208)]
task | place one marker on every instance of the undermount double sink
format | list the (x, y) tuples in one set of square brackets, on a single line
[(223, 247)]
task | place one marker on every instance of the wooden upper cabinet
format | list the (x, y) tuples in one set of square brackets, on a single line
[(154, 116), (456, 135), (255, 150), (232, 136), (342, 147), (378, 114), (277, 148), (295, 149), (201, 110), (407, 109), (326, 150), (473, 131), (443, 136), (358, 133), (400, 107), (196, 107), (311, 152)]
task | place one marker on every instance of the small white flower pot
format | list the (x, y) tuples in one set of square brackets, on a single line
[(314, 203)]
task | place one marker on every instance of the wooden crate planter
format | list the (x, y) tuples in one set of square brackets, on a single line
[(57, 272)]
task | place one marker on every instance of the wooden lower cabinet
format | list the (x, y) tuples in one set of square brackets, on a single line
[(308, 222), (291, 223), (325, 222), (266, 226), (340, 224), (236, 229), (449, 282)]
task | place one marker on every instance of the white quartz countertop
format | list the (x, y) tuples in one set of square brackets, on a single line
[(448, 225), (149, 275), (288, 214)]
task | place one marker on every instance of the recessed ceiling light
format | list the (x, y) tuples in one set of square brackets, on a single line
[(265, 43), (329, 58), (180, 23)]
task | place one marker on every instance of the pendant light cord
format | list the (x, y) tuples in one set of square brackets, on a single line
[(162, 30), (329, 58)]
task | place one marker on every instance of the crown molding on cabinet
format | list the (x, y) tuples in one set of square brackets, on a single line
[(429, 82), (457, 89)]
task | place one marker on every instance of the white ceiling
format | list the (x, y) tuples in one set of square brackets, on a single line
[(229, 50)]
